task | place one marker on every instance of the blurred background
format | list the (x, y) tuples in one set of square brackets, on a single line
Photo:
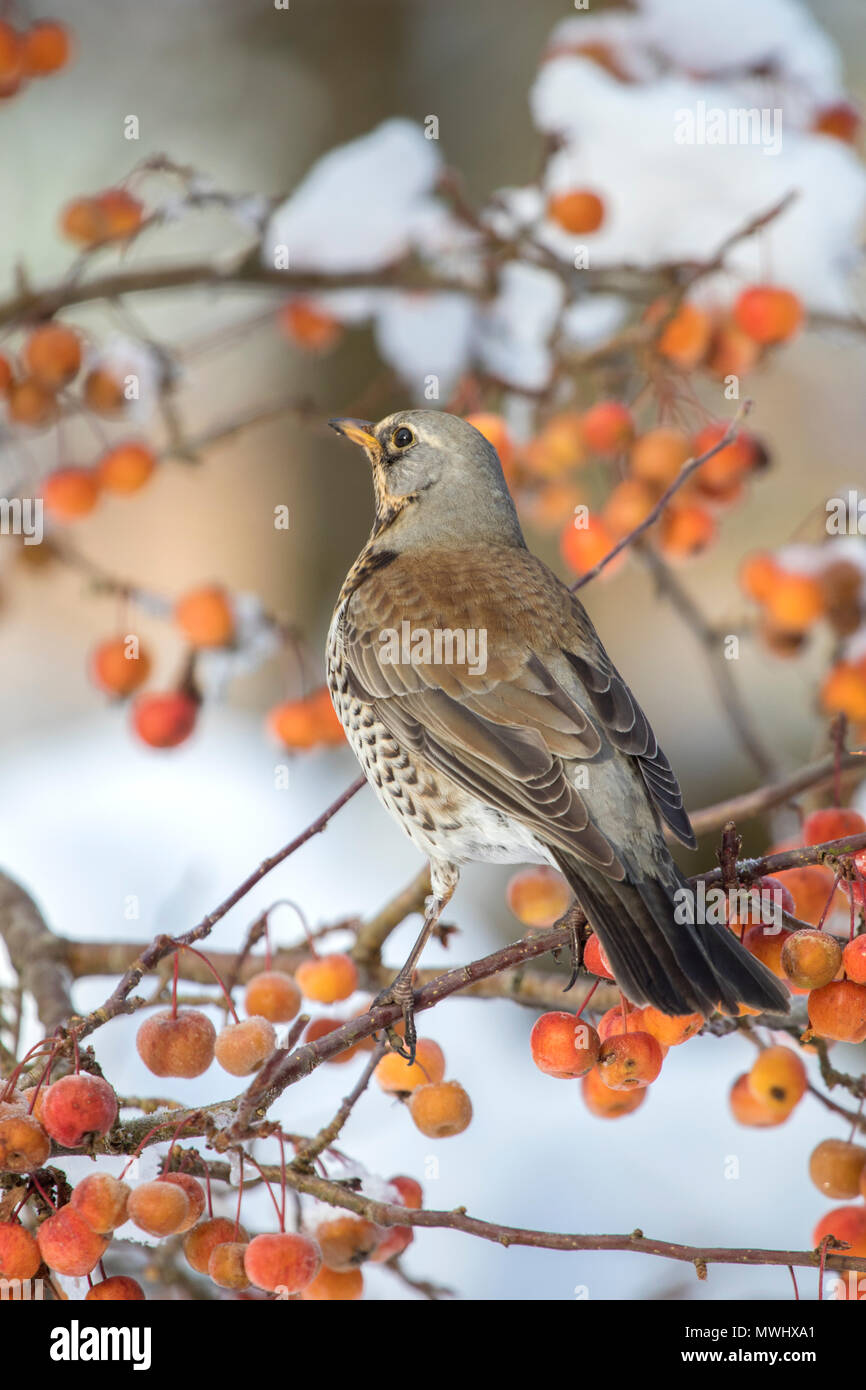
[(250, 97)]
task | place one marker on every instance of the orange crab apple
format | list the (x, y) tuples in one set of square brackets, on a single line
[(327, 979), (838, 1011), (241, 1048), (841, 119), (309, 325), (559, 447), (607, 1104), (284, 1261), (119, 666), (768, 313), (200, 1242), (120, 1288), (730, 465), (629, 1060), (562, 1046), (24, 1144), (274, 995), (607, 427), (584, 545), (226, 1265), (30, 403), (68, 1245), (195, 1196), (347, 1241), (657, 457), (749, 1109), (836, 1167), (628, 506), (11, 59), (578, 211), (176, 1044), (685, 338), (441, 1109), (766, 943), (854, 959), (395, 1074), (811, 958), (845, 1223), (45, 48), (670, 1030), (844, 690), (732, 352), (52, 355), (70, 492), (159, 1208), (126, 467), (335, 1286), (758, 574), (104, 391), (102, 1200), (205, 617), (307, 723), (538, 897), (19, 1253), (122, 213), (687, 529), (778, 1078)]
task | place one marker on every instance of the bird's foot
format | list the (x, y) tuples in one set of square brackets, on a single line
[(574, 922), (400, 991)]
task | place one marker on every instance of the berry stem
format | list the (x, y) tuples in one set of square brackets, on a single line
[(182, 945), (588, 997)]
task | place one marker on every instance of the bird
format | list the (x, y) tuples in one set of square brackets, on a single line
[(485, 712)]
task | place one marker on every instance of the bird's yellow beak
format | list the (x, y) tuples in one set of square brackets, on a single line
[(359, 431)]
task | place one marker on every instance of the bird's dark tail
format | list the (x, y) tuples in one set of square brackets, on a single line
[(679, 967)]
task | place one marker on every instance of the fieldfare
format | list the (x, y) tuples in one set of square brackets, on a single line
[(483, 708)]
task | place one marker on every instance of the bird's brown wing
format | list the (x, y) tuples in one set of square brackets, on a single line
[(512, 733)]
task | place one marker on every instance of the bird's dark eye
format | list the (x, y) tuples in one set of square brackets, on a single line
[(402, 438)]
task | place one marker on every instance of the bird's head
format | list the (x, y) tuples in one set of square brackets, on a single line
[(438, 482)]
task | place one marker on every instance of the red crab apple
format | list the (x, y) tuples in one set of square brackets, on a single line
[(118, 1289), (77, 1108), (68, 1244)]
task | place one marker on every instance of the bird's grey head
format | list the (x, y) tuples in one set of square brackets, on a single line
[(438, 482)]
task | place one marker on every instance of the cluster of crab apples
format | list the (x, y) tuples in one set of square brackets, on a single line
[(72, 1238), (77, 1110), (40, 50), (205, 618), (556, 473), (622, 1054)]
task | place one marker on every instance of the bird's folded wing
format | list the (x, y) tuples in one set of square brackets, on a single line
[(510, 733)]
